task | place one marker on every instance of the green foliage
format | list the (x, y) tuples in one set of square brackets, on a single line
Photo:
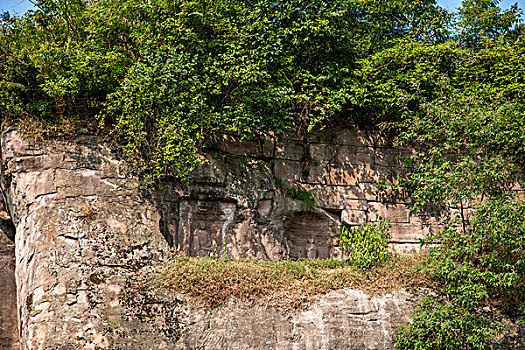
[(252, 67), (394, 83), (366, 245), (479, 271), (164, 74), (304, 196), (487, 263), (439, 326), (470, 149), (482, 59), (162, 113), (471, 160), (482, 20)]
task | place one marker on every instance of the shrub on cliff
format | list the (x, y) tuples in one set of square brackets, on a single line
[(366, 245)]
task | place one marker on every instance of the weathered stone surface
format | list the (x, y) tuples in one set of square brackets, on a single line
[(236, 326), (288, 170), (335, 168), (353, 216), (290, 149), (396, 213), (343, 174), (392, 157), (346, 319), (310, 232), (86, 242), (89, 237)]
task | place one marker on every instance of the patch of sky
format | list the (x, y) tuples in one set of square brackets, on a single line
[(16, 6)]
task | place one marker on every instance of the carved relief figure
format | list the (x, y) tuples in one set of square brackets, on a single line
[(311, 251), (202, 244)]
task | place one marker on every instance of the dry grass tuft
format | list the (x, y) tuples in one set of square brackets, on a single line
[(286, 284)]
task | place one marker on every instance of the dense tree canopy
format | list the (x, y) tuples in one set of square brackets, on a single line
[(232, 65), (164, 75)]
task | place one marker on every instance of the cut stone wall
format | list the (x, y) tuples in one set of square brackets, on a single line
[(282, 197)]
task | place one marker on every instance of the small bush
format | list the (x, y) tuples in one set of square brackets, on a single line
[(366, 245), (304, 196)]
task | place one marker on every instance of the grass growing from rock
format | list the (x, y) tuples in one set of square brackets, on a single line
[(286, 284)]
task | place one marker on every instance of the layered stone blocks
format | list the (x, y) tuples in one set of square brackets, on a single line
[(345, 173), (87, 241)]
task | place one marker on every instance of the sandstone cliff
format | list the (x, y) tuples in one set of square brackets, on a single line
[(89, 236)]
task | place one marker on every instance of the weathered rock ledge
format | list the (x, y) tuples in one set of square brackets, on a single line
[(346, 319)]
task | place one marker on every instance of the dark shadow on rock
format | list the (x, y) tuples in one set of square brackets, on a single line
[(8, 307)]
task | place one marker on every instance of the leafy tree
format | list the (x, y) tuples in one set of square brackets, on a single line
[(469, 149), (471, 159), (257, 66), (481, 20), (394, 83)]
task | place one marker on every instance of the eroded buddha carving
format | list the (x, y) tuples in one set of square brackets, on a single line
[(311, 251), (202, 243)]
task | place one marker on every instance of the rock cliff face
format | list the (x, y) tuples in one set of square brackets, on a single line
[(280, 197), (86, 242), (346, 319), (89, 237)]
